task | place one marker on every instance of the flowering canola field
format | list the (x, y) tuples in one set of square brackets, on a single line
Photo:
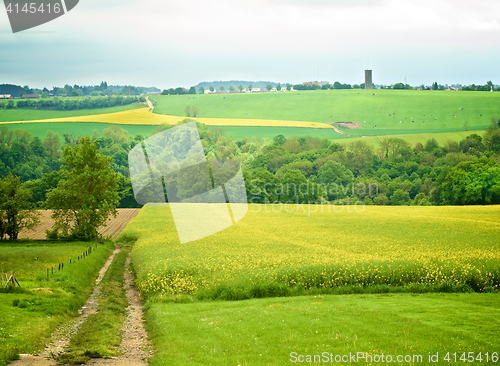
[(278, 252), (142, 116)]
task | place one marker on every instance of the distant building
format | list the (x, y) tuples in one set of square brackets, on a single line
[(25, 96), (316, 82), (5, 96), (368, 79)]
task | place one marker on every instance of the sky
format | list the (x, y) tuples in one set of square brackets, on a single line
[(181, 43)]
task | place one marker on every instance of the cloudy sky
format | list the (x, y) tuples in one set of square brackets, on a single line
[(180, 43)]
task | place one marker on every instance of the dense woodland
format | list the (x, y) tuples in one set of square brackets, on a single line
[(77, 90), (68, 104), (395, 173)]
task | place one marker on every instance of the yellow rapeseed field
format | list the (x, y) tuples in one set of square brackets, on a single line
[(303, 247), (142, 116)]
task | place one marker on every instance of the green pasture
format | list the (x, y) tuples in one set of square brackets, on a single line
[(358, 132), (240, 133), (28, 114), (29, 314), (385, 109), (276, 331), (442, 135), (413, 139), (39, 129)]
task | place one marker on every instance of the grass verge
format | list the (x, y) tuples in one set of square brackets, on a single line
[(277, 331), (29, 315)]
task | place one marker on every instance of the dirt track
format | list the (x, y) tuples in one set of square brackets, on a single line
[(135, 346)]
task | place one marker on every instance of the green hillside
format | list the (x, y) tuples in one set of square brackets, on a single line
[(39, 129), (375, 109)]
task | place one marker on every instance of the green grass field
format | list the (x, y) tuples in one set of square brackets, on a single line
[(39, 129), (29, 315), (429, 109), (413, 139), (26, 114), (278, 331), (353, 270), (240, 133), (412, 136)]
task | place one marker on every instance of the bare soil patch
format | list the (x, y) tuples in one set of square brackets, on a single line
[(347, 125), (114, 226)]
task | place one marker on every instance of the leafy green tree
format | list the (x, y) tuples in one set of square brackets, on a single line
[(192, 90), (221, 88), (279, 140), (492, 138), (337, 178), (88, 194), (241, 88), (269, 87), (288, 87), (262, 187), (187, 110), (195, 110), (472, 183), (231, 88), (398, 86), (201, 90), (472, 144), (212, 89), (400, 198), (250, 87), (16, 210)]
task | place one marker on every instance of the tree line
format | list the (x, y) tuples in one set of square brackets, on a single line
[(394, 173), (66, 104), (103, 89)]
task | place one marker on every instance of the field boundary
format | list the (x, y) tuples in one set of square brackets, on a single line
[(142, 116)]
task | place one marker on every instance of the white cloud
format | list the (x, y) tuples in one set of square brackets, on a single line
[(180, 43)]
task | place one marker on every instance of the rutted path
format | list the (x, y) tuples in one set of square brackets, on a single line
[(150, 105), (135, 345), (338, 131)]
